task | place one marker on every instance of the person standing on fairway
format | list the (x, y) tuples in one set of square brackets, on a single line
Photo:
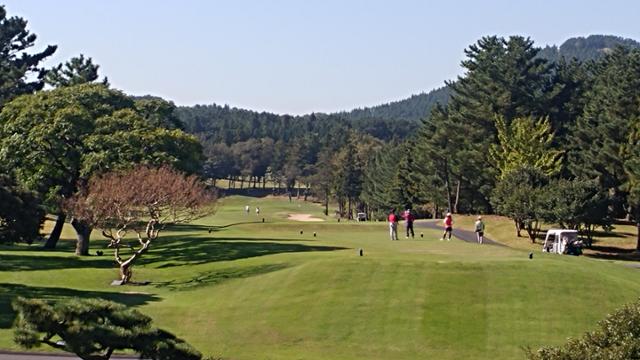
[(408, 222), (480, 230), (393, 225), (448, 227)]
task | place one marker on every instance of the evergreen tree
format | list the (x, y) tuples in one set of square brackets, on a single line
[(93, 329), (76, 71), (20, 72), (612, 107), (407, 186)]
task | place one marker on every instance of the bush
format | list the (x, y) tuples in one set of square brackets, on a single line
[(20, 213), (617, 338)]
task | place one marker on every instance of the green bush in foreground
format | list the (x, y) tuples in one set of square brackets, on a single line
[(93, 329), (617, 338)]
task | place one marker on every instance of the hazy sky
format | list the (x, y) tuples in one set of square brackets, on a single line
[(299, 56)]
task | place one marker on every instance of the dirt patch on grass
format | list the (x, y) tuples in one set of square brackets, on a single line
[(303, 217)]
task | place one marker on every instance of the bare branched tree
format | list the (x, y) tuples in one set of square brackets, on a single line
[(142, 200)]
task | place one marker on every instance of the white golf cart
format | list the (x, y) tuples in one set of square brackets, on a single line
[(562, 241)]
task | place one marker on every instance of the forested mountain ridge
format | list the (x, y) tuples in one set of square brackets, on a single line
[(417, 107), (412, 109), (592, 47)]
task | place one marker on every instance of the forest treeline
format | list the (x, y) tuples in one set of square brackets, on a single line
[(521, 127)]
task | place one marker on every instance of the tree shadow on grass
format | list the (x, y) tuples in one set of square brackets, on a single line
[(206, 228), (22, 262), (613, 253), (8, 292), (190, 250), (219, 276)]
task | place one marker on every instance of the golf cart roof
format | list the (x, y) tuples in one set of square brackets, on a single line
[(561, 231)]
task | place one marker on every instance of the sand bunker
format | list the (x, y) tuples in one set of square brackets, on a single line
[(303, 217)]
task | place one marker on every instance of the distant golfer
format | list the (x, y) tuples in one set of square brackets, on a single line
[(257, 210), (480, 230), (408, 222), (448, 227), (393, 225), (246, 209)]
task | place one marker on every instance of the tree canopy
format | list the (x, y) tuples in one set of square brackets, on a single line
[(20, 71)]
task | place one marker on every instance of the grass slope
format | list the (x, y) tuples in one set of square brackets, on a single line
[(253, 290)]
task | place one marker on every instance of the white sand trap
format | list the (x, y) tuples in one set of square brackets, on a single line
[(303, 217)]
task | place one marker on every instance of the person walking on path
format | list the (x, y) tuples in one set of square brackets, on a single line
[(480, 230), (393, 225), (408, 223), (448, 227)]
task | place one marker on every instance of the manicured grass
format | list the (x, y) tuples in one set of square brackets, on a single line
[(253, 290), (620, 241)]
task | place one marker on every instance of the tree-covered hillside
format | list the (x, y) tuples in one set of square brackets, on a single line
[(413, 108), (592, 47)]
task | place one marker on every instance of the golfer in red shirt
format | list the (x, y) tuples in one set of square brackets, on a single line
[(448, 227)]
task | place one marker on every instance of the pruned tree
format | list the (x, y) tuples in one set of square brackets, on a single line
[(93, 329), (143, 200)]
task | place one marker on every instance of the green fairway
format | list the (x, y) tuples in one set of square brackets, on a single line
[(239, 288)]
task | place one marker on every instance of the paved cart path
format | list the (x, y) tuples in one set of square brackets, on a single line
[(464, 235)]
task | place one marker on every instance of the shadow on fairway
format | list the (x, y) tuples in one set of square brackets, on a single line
[(21, 262), (219, 276), (8, 292), (613, 253), (206, 228), (190, 250)]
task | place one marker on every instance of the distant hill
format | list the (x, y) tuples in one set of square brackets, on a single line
[(413, 108), (583, 49), (402, 115), (417, 107)]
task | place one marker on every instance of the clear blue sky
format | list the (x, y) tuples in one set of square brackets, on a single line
[(299, 56)]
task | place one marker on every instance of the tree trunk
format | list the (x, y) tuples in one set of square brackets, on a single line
[(326, 203), (448, 188), (264, 182), (53, 238), (83, 232), (455, 204), (518, 227), (638, 236)]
